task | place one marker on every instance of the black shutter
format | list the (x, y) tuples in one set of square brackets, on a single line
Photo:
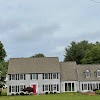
[(9, 76), (57, 75), (9, 89), (43, 87), (30, 76), (51, 75), (43, 75), (49, 87), (37, 76), (57, 87), (18, 88), (24, 77), (18, 76), (24, 86)]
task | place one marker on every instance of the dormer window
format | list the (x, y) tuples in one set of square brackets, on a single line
[(87, 73), (98, 73)]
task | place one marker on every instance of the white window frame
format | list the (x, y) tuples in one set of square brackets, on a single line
[(22, 76), (98, 73), (85, 86), (21, 87), (87, 73), (54, 87), (54, 75), (46, 87), (13, 88), (13, 77), (34, 76), (45, 76)]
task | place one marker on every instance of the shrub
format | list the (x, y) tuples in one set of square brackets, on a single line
[(55, 92), (12, 94), (97, 92), (46, 93), (51, 92), (21, 93), (17, 94)]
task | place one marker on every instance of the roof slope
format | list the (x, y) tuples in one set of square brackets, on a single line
[(92, 67), (68, 71), (33, 65)]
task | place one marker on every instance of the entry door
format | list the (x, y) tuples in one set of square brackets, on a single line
[(34, 89)]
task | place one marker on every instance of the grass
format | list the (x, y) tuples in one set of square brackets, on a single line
[(65, 96)]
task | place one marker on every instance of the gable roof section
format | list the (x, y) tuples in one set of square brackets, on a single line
[(92, 68), (33, 65), (68, 71)]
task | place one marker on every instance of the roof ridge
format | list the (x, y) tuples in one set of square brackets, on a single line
[(33, 57)]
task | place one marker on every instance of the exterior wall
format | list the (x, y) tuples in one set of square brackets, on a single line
[(94, 85), (38, 82), (76, 85)]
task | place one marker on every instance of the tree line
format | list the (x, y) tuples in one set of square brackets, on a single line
[(83, 52)]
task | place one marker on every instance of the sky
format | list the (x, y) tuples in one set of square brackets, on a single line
[(28, 27)]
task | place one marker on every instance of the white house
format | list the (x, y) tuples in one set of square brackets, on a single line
[(47, 74)]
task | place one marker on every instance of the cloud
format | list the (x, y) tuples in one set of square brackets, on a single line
[(32, 26)]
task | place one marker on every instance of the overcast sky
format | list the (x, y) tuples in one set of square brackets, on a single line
[(28, 27)]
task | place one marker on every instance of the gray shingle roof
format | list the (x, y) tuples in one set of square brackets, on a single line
[(68, 71), (92, 68), (33, 65)]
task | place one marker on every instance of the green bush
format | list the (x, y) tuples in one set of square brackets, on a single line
[(97, 92)]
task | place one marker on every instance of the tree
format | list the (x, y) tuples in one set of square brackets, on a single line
[(38, 55), (2, 52), (3, 68), (92, 56), (76, 51), (2, 64)]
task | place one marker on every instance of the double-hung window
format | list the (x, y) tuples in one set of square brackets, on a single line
[(33, 76), (21, 76), (13, 76)]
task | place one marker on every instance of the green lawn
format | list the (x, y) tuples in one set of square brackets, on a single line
[(52, 97)]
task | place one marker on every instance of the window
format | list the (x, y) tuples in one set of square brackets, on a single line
[(46, 87), (13, 88), (33, 76), (87, 73), (46, 76), (9, 76), (54, 75), (13, 76), (85, 86), (54, 87), (98, 73), (21, 77), (21, 87)]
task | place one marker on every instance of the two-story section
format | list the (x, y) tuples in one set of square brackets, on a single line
[(42, 74)]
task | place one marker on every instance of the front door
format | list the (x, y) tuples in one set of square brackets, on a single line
[(34, 89)]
